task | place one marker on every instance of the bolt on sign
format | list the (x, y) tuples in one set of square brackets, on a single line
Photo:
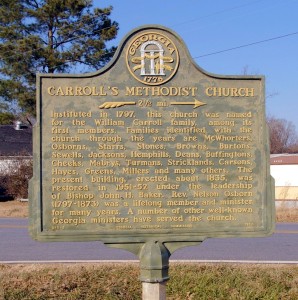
[(151, 149)]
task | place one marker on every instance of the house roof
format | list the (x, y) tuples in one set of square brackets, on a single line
[(15, 142), (284, 159)]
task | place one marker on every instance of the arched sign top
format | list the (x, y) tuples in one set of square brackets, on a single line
[(150, 148)]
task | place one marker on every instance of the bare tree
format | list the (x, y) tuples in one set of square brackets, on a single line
[(283, 137)]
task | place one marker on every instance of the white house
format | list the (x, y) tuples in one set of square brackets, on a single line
[(284, 169), (15, 147), (15, 141)]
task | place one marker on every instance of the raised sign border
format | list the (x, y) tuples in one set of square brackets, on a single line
[(36, 196)]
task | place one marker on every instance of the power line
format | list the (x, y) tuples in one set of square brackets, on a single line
[(100, 14), (246, 45), (207, 54), (217, 13), (200, 56), (243, 46)]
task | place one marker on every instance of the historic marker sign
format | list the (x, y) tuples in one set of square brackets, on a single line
[(151, 147)]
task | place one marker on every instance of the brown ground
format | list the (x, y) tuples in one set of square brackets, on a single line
[(14, 208), (287, 215)]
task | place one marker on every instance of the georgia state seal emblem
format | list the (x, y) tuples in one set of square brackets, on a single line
[(152, 58)]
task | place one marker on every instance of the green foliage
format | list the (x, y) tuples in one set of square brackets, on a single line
[(49, 36), (6, 118)]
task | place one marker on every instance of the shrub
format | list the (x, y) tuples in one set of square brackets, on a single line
[(15, 180)]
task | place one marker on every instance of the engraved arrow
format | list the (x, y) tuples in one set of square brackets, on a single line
[(108, 105), (196, 103)]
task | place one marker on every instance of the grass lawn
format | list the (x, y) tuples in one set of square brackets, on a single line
[(120, 281)]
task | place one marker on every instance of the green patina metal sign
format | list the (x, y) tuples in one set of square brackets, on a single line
[(150, 150)]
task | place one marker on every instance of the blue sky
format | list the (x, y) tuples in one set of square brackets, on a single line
[(210, 26)]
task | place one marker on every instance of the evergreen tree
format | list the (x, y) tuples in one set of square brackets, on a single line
[(6, 118), (49, 36)]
